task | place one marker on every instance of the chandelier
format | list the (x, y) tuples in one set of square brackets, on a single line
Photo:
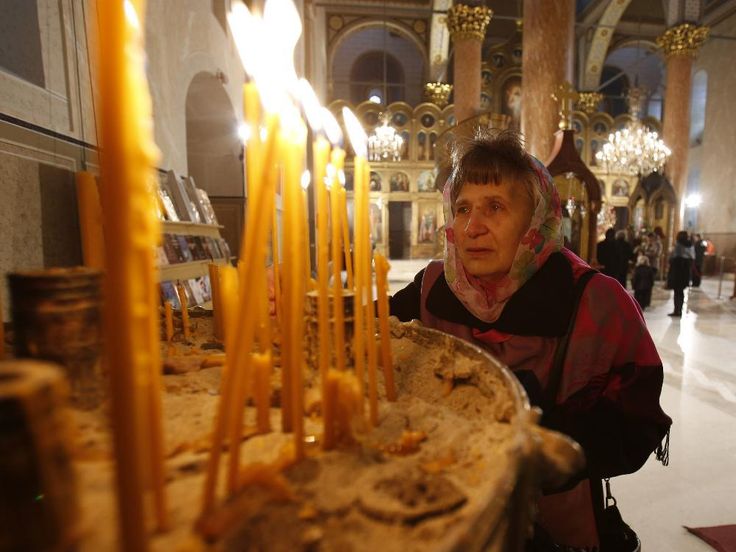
[(385, 144), (635, 149)]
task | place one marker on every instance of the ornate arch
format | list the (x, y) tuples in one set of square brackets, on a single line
[(601, 40), (359, 25)]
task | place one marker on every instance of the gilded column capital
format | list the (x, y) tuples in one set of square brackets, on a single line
[(438, 93), (468, 22), (588, 102), (683, 40)]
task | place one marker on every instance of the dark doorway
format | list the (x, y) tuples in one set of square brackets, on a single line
[(399, 229)]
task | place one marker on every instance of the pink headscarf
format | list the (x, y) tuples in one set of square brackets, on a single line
[(486, 301)]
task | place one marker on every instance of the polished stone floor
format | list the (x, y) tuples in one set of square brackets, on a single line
[(698, 351)]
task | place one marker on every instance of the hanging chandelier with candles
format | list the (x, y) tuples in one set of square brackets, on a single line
[(385, 144), (635, 149)]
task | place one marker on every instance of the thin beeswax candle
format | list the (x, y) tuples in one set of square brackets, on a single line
[(128, 157)]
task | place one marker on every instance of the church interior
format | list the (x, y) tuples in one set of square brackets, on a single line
[(577, 79)]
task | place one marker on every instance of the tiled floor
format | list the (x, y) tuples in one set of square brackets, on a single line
[(698, 351)]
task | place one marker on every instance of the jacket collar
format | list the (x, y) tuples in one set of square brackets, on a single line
[(541, 307)]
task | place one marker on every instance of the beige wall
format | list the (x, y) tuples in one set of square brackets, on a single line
[(715, 157), (184, 38)]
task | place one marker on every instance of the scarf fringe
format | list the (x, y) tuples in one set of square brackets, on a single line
[(663, 450)]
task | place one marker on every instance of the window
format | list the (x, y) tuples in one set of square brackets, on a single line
[(698, 100), (20, 41)]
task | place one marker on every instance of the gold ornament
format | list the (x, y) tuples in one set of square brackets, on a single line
[(466, 22), (588, 102), (438, 93), (566, 95), (683, 40)]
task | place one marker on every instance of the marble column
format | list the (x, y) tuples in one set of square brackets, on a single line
[(467, 25), (680, 45), (547, 61)]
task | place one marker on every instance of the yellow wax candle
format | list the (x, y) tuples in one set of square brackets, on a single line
[(252, 111), (229, 300), (336, 219), (304, 218), (90, 220), (262, 369), (184, 311), (382, 268), (346, 238), (321, 152), (360, 275), (128, 157), (369, 312), (275, 257), (169, 321), (214, 272), (253, 249), (294, 261)]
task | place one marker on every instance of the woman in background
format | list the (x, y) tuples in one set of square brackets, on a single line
[(678, 277)]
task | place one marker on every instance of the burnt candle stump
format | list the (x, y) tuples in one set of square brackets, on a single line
[(57, 316), (38, 503)]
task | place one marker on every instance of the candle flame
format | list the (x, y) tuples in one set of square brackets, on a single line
[(330, 174), (244, 132), (310, 103), (282, 27), (358, 138), (131, 15), (282, 17), (331, 127), (247, 31), (306, 179)]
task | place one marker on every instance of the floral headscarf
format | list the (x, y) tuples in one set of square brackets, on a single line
[(544, 237)]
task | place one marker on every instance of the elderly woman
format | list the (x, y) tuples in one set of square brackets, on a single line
[(507, 284)]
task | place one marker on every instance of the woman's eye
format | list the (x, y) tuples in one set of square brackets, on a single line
[(496, 207), (463, 210)]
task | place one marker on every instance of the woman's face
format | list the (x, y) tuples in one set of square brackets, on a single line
[(490, 221)]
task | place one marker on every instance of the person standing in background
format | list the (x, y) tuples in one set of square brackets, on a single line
[(642, 281), (625, 254), (678, 276), (607, 255), (699, 246)]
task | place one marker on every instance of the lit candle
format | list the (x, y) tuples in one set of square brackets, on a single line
[(382, 268), (320, 156), (338, 307), (90, 220), (361, 241), (128, 156), (294, 283), (346, 235), (275, 266), (370, 315), (304, 218)]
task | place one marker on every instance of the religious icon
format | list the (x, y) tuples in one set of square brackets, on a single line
[(376, 222), (375, 183), (425, 183), (399, 182), (511, 98), (620, 188), (427, 224)]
